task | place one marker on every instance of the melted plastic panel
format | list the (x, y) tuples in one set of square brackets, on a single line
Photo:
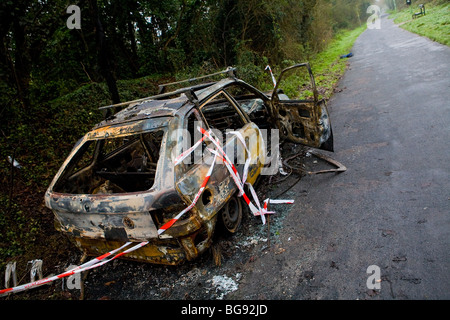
[(113, 165)]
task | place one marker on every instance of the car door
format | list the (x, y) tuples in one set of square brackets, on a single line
[(221, 115), (242, 139), (302, 121)]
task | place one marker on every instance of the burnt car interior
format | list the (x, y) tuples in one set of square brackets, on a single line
[(252, 104), (115, 165), (221, 114)]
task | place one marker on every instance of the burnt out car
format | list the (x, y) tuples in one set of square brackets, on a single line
[(120, 182)]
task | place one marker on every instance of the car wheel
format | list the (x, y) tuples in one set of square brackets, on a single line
[(231, 214)]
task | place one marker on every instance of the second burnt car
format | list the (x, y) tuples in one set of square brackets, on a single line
[(120, 183)]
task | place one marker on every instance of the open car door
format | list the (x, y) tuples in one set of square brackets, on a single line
[(303, 121)]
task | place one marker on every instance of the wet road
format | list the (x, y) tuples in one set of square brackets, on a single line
[(391, 208)]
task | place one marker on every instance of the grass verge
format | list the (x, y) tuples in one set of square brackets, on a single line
[(327, 67), (435, 24)]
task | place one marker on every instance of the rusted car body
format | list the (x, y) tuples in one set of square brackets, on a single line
[(120, 183)]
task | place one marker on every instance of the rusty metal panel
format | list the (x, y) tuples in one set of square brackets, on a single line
[(137, 226)]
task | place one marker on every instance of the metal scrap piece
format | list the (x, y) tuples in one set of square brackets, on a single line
[(36, 269), (10, 272), (339, 166)]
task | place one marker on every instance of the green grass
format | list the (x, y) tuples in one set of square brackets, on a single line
[(435, 25), (327, 67)]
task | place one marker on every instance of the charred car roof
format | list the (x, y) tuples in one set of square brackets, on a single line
[(155, 106), (145, 110)]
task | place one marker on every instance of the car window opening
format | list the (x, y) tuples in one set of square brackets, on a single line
[(113, 165), (221, 114)]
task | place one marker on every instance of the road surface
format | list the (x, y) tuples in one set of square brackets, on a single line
[(391, 208)]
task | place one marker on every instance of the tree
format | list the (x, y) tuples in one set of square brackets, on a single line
[(104, 53), (25, 26)]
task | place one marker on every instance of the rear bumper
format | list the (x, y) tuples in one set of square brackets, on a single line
[(186, 240), (157, 252)]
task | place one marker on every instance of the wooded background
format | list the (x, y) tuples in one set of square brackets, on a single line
[(42, 59)]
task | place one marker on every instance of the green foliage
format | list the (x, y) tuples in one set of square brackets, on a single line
[(326, 65), (164, 36), (18, 230)]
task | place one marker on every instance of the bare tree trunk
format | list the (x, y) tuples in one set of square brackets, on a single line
[(22, 64), (104, 54)]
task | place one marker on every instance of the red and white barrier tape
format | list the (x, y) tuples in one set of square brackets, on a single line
[(234, 174), (247, 161), (240, 183), (262, 211), (197, 196), (232, 169), (273, 78), (186, 153), (94, 263), (180, 158)]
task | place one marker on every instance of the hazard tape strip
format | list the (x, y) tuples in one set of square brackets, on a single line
[(247, 161), (240, 183), (194, 202), (186, 153), (231, 169), (262, 211), (224, 156), (273, 78), (94, 263), (233, 172)]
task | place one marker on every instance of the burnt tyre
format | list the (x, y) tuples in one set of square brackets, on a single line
[(231, 214)]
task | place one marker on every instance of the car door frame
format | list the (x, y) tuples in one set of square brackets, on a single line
[(257, 158), (303, 121)]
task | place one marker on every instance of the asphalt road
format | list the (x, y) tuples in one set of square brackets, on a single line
[(391, 208)]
